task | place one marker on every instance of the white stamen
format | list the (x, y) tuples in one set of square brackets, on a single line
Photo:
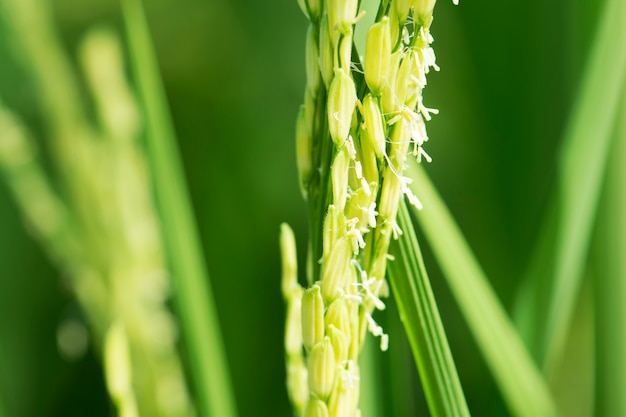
[(351, 148), (348, 377), (397, 232), (422, 153), (371, 215), (378, 303), (384, 342), (406, 38), (355, 234), (350, 297), (359, 169), (376, 330), (425, 111), (413, 200), (354, 67), (366, 187), (366, 286)]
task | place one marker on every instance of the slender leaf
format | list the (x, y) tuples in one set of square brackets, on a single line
[(192, 290), (517, 376), (610, 281), (581, 169), (419, 313)]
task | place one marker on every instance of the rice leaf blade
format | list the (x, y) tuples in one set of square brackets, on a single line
[(193, 294), (518, 378), (418, 309), (581, 171), (610, 280)]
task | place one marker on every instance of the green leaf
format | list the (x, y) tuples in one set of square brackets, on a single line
[(418, 310), (581, 170), (610, 281), (192, 290), (516, 375)]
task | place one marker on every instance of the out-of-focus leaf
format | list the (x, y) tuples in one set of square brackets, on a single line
[(192, 290)]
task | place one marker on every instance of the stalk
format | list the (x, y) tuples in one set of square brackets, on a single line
[(422, 322), (360, 122)]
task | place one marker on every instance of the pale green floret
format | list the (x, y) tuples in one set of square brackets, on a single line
[(313, 75), (400, 142), (337, 271), (373, 123), (341, 15), (340, 343), (118, 370), (312, 317), (389, 195), (304, 146), (395, 27), (338, 316), (367, 157), (339, 176), (377, 55), (402, 9), (293, 323), (391, 191), (362, 206), (100, 52), (345, 51), (341, 104), (315, 8), (345, 396), (404, 79), (334, 228), (289, 260), (423, 11), (321, 369), (117, 361), (297, 382), (316, 408), (326, 52), (389, 101), (354, 309)]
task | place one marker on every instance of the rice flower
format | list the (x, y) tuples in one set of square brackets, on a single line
[(353, 147)]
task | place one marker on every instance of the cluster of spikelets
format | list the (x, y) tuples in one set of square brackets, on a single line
[(101, 228), (360, 121)]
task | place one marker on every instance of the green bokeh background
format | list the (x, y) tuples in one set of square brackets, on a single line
[(234, 75)]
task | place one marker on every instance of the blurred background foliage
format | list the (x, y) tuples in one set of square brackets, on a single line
[(234, 76)]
